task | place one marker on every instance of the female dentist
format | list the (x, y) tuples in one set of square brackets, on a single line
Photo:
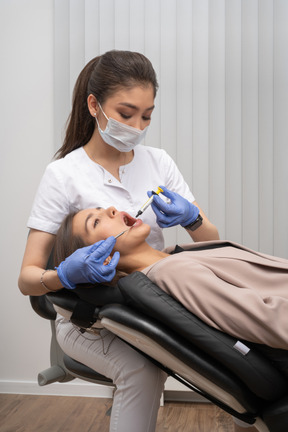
[(100, 163)]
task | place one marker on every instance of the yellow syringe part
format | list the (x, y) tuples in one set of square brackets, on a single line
[(148, 202)]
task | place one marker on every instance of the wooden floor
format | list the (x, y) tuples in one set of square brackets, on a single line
[(27, 413)]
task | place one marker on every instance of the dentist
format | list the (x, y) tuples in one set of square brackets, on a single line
[(103, 162)]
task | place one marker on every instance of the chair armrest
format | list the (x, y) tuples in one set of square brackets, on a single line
[(43, 307)]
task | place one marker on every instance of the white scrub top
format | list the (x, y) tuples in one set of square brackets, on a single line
[(75, 182)]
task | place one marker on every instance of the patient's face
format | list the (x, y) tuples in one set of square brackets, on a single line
[(96, 224)]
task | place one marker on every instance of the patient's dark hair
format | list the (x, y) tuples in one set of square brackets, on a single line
[(102, 77), (66, 242)]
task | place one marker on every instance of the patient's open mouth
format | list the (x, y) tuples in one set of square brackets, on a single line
[(128, 220)]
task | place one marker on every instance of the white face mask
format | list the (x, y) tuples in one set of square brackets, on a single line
[(119, 135)]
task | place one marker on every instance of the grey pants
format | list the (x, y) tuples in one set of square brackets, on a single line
[(139, 383)]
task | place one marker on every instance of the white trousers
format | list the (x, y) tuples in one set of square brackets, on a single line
[(139, 383)]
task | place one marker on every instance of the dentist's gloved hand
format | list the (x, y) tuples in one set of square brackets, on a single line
[(86, 265), (178, 212)]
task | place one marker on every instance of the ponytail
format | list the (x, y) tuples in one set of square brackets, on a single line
[(80, 123)]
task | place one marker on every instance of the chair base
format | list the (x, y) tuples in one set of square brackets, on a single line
[(53, 374)]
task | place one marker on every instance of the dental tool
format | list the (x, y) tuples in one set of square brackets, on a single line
[(118, 235), (148, 202), (123, 232)]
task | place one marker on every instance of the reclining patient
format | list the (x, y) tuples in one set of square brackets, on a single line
[(231, 288)]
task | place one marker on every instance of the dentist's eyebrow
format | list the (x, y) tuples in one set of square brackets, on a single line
[(89, 217), (129, 105)]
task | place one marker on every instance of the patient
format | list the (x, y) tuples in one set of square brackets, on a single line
[(231, 288)]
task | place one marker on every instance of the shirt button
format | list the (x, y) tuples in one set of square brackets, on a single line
[(109, 181)]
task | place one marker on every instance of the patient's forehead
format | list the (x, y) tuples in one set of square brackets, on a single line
[(90, 210), (82, 214)]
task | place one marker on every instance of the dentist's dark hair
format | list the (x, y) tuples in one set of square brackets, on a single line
[(102, 77)]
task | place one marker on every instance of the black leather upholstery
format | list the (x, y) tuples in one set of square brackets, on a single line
[(255, 370)]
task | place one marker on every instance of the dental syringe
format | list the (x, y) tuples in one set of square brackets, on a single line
[(148, 202)]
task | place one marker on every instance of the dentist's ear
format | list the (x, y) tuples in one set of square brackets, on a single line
[(92, 105)]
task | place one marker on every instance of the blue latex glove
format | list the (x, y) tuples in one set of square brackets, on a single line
[(86, 265), (178, 212)]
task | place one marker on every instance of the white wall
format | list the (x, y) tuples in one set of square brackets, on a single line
[(26, 137), (221, 112)]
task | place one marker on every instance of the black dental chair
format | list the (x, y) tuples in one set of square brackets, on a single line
[(247, 380)]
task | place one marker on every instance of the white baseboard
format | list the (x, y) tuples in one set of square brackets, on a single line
[(74, 388), (85, 389)]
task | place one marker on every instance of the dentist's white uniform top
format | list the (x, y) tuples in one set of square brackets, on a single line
[(75, 182)]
